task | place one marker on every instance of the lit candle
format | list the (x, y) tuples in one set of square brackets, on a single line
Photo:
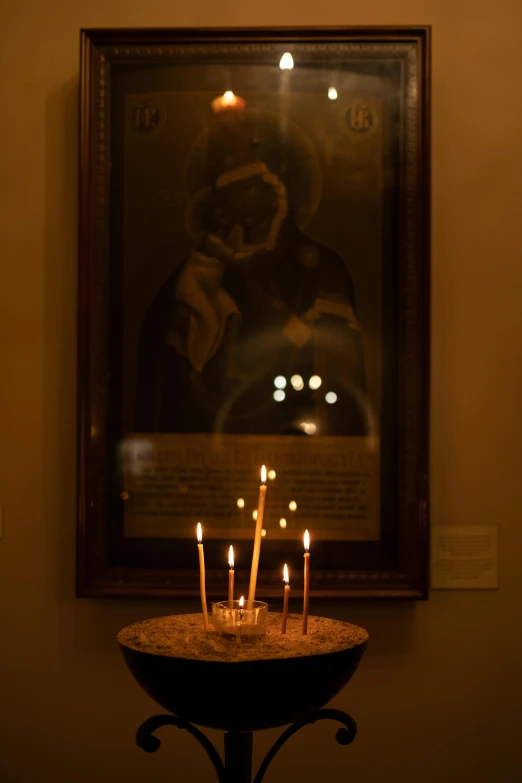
[(231, 578), (306, 581), (228, 102), (202, 576), (286, 580), (257, 538)]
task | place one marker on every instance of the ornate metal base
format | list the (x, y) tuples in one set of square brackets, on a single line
[(237, 767)]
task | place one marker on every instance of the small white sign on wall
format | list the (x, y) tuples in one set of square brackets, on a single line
[(464, 557)]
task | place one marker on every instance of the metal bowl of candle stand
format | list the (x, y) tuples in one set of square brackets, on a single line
[(243, 695)]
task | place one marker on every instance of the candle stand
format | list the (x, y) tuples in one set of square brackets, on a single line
[(237, 767), (240, 698)]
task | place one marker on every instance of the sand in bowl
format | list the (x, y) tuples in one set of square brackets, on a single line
[(210, 680), (183, 636)]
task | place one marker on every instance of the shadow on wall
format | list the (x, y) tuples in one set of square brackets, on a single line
[(59, 339), (390, 623)]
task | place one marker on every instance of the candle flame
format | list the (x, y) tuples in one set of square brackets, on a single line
[(263, 475), (307, 541), (228, 98), (241, 601), (286, 578), (231, 557), (199, 533)]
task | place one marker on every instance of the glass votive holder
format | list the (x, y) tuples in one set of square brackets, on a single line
[(243, 623)]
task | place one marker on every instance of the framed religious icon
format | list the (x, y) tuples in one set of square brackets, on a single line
[(254, 289)]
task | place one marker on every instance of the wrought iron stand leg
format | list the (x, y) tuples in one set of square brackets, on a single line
[(238, 744), (238, 757)]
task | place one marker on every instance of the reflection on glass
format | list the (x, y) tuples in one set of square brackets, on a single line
[(297, 382), (263, 532), (251, 308), (254, 514), (286, 63), (282, 522), (228, 102)]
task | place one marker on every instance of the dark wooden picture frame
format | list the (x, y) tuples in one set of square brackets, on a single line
[(109, 564)]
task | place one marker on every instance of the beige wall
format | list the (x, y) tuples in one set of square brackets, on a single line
[(437, 695)]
